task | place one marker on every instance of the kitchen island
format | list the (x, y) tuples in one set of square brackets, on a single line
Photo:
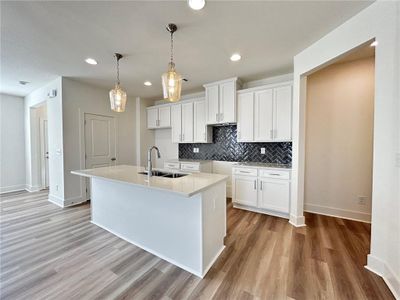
[(181, 220)]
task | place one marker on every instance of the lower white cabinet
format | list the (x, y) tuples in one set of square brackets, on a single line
[(204, 166), (245, 190), (274, 194), (260, 189)]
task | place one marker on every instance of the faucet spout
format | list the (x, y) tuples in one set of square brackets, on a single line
[(149, 163)]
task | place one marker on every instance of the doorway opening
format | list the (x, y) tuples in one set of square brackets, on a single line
[(339, 137)]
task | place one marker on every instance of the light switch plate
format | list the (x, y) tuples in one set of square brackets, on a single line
[(262, 150)]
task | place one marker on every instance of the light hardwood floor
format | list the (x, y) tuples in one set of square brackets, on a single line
[(53, 253)]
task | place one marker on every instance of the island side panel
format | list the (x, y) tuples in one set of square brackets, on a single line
[(163, 223), (213, 224)]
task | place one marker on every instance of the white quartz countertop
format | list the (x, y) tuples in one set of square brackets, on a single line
[(187, 185), (263, 165)]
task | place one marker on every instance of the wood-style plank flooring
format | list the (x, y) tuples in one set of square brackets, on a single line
[(53, 253)]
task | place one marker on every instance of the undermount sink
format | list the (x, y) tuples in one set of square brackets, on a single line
[(164, 174)]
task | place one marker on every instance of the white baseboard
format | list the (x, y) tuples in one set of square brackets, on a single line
[(33, 188), (338, 212), (260, 210), (297, 221), (65, 202), (12, 188), (380, 268)]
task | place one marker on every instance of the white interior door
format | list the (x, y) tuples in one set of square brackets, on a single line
[(44, 144), (245, 125), (100, 142), (263, 115)]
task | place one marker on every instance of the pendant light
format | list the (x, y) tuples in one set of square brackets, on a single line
[(117, 94), (171, 80)]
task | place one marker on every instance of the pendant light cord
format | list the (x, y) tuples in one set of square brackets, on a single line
[(172, 46), (118, 70)]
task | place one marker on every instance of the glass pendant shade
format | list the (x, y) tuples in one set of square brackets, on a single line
[(117, 99), (172, 84)]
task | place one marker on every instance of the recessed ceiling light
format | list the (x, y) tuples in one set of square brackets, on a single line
[(374, 44), (196, 4), (91, 61), (235, 57), (23, 82), (147, 83)]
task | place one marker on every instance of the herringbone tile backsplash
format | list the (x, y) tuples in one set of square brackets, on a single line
[(226, 148)]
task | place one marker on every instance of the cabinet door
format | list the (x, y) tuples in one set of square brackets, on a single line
[(263, 116), (274, 195), (227, 102), (245, 125), (152, 117), (199, 122), (212, 104), (187, 122), (164, 116), (283, 114), (245, 190), (176, 123)]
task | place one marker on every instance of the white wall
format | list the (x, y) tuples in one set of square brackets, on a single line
[(144, 137), (339, 128), (55, 139), (168, 150), (381, 21), (12, 143), (79, 98)]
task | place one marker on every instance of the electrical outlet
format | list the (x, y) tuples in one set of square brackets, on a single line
[(362, 200), (262, 150), (195, 150)]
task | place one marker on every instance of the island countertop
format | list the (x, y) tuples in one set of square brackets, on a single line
[(187, 185)]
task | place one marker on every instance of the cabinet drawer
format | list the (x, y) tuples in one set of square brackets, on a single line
[(190, 167), (245, 171), (275, 174), (171, 165)]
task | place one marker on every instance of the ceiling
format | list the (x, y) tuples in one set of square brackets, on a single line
[(43, 40)]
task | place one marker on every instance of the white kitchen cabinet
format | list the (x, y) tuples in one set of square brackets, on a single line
[(201, 132), (283, 113), (176, 123), (263, 118), (189, 166), (221, 101), (265, 114), (159, 117), (260, 189), (187, 122), (245, 124), (244, 190), (274, 195)]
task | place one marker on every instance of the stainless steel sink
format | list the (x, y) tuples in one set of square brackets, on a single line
[(164, 174)]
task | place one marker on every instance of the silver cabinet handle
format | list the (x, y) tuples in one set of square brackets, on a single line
[(261, 183), (113, 159), (246, 172), (255, 184), (274, 174)]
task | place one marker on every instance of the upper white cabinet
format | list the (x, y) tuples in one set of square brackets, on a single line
[(221, 101), (188, 122), (265, 114), (159, 116), (245, 125), (202, 132)]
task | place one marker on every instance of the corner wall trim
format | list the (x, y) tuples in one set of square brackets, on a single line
[(338, 212), (297, 221), (65, 202), (33, 188), (379, 267), (56, 200)]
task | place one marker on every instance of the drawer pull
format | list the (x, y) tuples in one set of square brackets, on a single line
[(274, 174), (246, 172), (255, 184)]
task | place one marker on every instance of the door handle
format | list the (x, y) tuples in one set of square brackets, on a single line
[(113, 159), (261, 183)]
